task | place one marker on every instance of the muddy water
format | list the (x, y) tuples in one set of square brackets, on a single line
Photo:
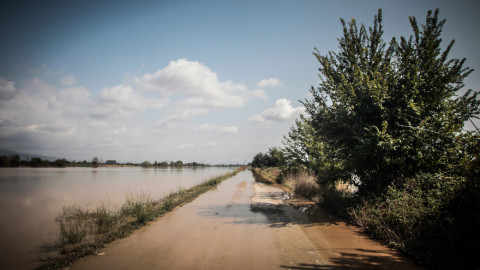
[(244, 225), (31, 198)]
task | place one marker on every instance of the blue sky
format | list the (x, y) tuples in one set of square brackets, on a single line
[(211, 81)]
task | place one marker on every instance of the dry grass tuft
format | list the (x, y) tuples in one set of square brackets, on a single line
[(303, 184)]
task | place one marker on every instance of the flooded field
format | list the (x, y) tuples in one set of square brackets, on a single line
[(31, 199)]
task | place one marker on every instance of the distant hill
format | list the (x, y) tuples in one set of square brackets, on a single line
[(24, 156)]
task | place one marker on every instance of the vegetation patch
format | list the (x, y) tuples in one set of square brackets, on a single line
[(384, 135), (83, 232), (267, 175), (430, 215), (303, 184)]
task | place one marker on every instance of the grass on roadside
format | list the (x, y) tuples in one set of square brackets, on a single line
[(267, 175), (303, 184), (83, 232)]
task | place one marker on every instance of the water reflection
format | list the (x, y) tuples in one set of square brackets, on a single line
[(31, 198)]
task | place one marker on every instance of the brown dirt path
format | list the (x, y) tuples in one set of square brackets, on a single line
[(244, 225)]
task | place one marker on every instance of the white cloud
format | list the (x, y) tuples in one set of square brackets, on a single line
[(271, 82), (179, 115), (164, 116), (37, 87), (71, 103), (228, 129), (40, 112), (71, 120), (219, 129), (118, 131), (73, 94), (123, 101), (282, 111), (259, 93), (211, 144), (186, 145), (7, 89), (68, 80), (196, 85)]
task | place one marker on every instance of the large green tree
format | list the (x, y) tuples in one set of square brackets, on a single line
[(388, 111)]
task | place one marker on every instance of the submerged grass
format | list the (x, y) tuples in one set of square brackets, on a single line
[(83, 232)]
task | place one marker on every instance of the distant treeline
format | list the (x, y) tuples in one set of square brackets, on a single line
[(180, 163), (15, 161)]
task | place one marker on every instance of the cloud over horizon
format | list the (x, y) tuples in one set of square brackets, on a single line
[(155, 109), (124, 101), (196, 85), (216, 128), (282, 111)]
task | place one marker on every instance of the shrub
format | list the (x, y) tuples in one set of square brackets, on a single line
[(140, 207), (105, 218), (423, 218), (72, 232), (338, 198), (303, 184), (73, 224)]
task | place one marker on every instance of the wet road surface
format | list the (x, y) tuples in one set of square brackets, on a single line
[(244, 225)]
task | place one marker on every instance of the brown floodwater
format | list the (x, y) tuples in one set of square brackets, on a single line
[(31, 199)]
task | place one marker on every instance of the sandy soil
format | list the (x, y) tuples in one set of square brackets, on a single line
[(244, 225)]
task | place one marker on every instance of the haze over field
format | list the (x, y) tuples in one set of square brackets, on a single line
[(207, 81)]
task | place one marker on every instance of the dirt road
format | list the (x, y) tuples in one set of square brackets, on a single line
[(244, 225)]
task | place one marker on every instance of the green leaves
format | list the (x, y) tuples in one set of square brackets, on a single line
[(273, 158), (385, 111)]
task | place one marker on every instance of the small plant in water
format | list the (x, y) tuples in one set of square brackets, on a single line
[(141, 207), (73, 225), (105, 218), (72, 232)]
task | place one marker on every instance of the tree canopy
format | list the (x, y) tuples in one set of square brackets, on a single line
[(384, 112)]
